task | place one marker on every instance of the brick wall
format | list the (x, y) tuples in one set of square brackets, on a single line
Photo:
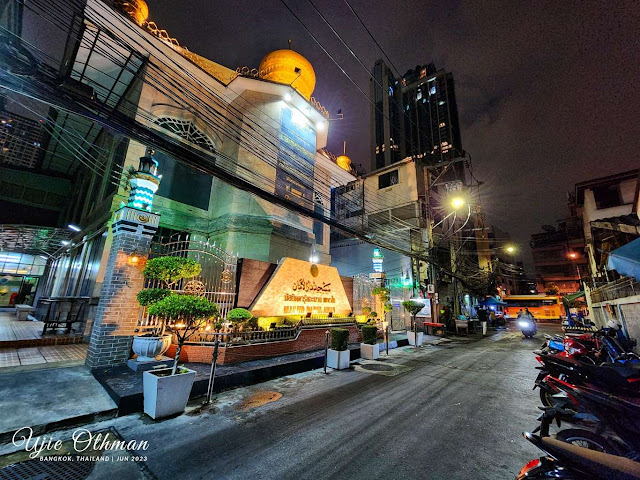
[(308, 340), (116, 314)]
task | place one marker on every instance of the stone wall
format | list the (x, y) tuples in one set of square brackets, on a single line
[(308, 340)]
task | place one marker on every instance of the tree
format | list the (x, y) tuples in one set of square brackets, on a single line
[(384, 294), (413, 308), (170, 270), (552, 289), (239, 315), (183, 315)]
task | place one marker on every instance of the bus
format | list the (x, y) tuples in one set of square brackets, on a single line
[(542, 307)]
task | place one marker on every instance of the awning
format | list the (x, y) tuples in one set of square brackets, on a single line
[(572, 297), (491, 301), (623, 223), (626, 259)]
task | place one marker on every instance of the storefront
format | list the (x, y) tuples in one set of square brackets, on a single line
[(20, 275)]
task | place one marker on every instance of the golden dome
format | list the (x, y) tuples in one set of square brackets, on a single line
[(290, 68), (344, 162), (136, 9)]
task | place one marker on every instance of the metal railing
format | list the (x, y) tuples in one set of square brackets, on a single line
[(324, 321), (621, 288), (277, 334)]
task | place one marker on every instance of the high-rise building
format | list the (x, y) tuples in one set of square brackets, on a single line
[(20, 140), (413, 116)]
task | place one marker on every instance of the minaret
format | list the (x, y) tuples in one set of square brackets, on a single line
[(144, 183)]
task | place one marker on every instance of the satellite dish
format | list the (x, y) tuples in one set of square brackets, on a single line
[(549, 228)]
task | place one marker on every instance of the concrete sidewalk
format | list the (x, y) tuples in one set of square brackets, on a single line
[(51, 398)]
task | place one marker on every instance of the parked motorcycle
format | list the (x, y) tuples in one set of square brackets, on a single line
[(571, 462)]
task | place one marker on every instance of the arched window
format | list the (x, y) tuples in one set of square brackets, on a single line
[(187, 130)]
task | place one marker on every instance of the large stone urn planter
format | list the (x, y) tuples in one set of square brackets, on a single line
[(149, 349), (166, 394)]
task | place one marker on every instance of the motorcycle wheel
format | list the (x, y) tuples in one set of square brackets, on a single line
[(587, 439), (546, 397)]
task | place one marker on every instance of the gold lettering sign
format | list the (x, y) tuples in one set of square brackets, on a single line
[(307, 286)]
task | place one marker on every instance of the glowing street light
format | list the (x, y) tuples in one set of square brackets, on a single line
[(573, 255), (458, 202), (510, 249)]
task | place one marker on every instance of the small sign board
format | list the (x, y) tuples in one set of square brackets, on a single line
[(426, 310)]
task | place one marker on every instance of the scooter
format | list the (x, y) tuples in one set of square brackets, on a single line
[(527, 326)]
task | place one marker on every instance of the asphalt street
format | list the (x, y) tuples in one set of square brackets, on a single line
[(440, 412)]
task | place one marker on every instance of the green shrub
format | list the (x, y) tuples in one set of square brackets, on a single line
[(339, 338), (171, 270), (366, 311), (148, 296), (369, 334), (412, 306), (185, 308), (239, 315), (388, 307)]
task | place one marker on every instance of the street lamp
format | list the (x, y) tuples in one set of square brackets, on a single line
[(574, 256), (458, 202), (511, 249)]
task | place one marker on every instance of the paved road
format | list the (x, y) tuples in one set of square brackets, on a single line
[(445, 413)]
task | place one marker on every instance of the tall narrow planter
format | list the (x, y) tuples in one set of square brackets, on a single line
[(166, 394), (338, 359), (370, 352), (411, 336)]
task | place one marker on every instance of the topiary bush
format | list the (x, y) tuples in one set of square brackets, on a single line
[(184, 315), (171, 270), (238, 315), (370, 334), (152, 295), (339, 339)]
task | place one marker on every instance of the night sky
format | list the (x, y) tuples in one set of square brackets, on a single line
[(547, 91)]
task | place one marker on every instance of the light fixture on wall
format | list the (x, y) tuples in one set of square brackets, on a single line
[(133, 259)]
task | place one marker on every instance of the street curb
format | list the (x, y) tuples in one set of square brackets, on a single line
[(38, 430)]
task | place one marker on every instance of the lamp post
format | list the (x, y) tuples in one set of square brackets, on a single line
[(574, 256)]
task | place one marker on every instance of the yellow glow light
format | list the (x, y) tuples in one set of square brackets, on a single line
[(458, 202)]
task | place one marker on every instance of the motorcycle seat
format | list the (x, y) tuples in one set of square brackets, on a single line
[(592, 462)]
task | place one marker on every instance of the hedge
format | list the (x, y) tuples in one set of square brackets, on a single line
[(370, 334), (339, 338)]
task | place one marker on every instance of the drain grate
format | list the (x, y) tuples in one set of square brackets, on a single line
[(375, 367), (72, 469)]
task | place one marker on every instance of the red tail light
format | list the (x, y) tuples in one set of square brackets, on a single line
[(529, 466)]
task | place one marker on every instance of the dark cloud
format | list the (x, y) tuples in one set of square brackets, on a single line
[(547, 90)]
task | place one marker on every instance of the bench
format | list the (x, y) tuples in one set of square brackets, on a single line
[(433, 326), (23, 311), (63, 312)]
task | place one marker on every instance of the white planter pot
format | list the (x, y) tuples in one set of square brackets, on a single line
[(411, 336), (166, 394), (370, 352), (150, 348), (338, 359)]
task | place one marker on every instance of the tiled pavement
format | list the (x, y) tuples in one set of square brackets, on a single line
[(14, 357)]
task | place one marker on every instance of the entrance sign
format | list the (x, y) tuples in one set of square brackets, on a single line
[(298, 288)]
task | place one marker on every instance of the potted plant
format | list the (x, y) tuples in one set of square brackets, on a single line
[(166, 390), (167, 271), (151, 345), (369, 348), (338, 356), (413, 307)]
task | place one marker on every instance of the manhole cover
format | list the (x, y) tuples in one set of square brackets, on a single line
[(72, 469), (376, 367)]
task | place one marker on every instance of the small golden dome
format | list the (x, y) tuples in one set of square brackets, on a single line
[(290, 68), (344, 162), (136, 9)]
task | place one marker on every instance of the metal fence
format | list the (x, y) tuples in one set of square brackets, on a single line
[(246, 338), (621, 288), (217, 280)]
